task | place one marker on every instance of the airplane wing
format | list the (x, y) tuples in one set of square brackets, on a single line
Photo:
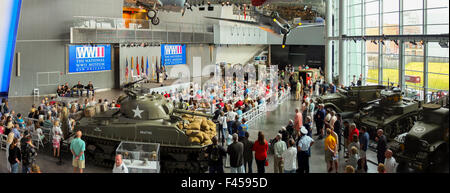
[(266, 28), (309, 25), (235, 20)]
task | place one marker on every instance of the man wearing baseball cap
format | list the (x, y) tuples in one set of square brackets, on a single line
[(304, 151)]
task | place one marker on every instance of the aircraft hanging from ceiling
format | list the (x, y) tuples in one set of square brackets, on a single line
[(270, 22)]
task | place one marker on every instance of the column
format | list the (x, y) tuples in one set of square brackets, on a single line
[(343, 77), (328, 42), (425, 53), (401, 53)]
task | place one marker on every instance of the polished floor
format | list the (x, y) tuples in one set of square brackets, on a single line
[(270, 124)]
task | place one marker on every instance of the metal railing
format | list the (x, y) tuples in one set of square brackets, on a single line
[(87, 29)]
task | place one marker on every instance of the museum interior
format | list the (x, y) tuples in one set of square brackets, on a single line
[(217, 86)]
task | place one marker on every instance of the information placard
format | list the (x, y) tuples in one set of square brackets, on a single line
[(84, 58), (173, 54)]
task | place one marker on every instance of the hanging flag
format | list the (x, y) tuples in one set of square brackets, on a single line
[(153, 68), (146, 68), (142, 65), (137, 66), (126, 70), (132, 68)]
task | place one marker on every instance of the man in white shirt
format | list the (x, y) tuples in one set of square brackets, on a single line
[(390, 164), (279, 149), (290, 158), (333, 119), (119, 167), (230, 119)]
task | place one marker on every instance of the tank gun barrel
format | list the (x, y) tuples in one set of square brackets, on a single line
[(192, 113), (128, 85)]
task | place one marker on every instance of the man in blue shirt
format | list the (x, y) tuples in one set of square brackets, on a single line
[(320, 117), (304, 151), (242, 129), (364, 143), (16, 131), (333, 88), (77, 147)]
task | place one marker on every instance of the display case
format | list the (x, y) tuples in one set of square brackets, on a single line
[(140, 157)]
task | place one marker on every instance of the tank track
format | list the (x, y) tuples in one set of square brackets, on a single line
[(195, 162)]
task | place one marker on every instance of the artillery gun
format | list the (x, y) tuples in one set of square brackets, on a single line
[(147, 118), (392, 113)]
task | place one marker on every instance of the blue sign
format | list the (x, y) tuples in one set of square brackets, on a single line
[(173, 54), (9, 22), (89, 58)]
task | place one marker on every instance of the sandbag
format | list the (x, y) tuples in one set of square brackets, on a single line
[(194, 126), (207, 142), (194, 140), (204, 124), (89, 112), (199, 136)]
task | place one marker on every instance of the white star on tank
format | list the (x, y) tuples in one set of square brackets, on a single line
[(137, 112)]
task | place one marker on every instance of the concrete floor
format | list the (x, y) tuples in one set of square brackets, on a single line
[(270, 124)]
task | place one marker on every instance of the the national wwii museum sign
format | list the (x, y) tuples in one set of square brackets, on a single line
[(89, 58), (173, 54)]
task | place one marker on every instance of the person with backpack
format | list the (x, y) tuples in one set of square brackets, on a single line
[(215, 154), (28, 155)]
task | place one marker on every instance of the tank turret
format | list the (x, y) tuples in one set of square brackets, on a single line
[(150, 118), (392, 113)]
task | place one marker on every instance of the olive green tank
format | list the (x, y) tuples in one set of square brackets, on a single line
[(392, 113), (425, 146), (351, 99), (144, 118)]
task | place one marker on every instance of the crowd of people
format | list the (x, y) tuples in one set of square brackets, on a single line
[(292, 145), (51, 121), (66, 91)]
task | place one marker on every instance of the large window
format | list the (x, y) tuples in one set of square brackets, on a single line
[(399, 17), (438, 67), (437, 16), (390, 63)]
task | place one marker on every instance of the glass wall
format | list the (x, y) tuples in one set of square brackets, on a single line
[(399, 17)]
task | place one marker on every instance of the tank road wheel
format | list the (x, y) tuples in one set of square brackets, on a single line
[(389, 131)]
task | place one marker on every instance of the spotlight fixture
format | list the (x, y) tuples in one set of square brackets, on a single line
[(413, 43), (354, 40), (364, 38), (382, 42), (374, 42)]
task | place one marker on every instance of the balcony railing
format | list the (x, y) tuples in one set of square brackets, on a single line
[(87, 29)]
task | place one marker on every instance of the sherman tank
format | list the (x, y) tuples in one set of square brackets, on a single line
[(153, 119), (425, 146), (392, 113)]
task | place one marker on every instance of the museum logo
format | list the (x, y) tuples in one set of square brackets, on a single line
[(171, 49), (90, 52)]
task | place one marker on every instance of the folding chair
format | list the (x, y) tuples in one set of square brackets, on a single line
[(36, 137)]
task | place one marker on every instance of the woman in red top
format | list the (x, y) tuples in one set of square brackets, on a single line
[(260, 147)]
